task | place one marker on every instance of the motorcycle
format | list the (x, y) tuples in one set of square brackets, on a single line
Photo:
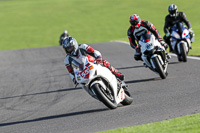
[(180, 41), (153, 54), (101, 84)]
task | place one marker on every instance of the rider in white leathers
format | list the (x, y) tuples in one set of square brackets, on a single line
[(76, 52)]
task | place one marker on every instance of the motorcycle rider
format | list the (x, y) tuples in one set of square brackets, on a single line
[(175, 17), (137, 27), (76, 52), (63, 36)]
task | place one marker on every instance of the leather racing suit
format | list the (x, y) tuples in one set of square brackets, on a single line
[(134, 34), (86, 50), (170, 21)]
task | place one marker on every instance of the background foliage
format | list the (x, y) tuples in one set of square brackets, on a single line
[(39, 23)]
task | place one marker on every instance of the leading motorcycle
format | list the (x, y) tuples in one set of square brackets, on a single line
[(101, 84), (153, 54)]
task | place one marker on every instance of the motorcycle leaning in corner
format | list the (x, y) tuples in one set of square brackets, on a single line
[(101, 84), (153, 54)]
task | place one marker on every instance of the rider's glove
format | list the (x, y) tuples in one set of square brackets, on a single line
[(99, 60), (75, 82), (137, 49), (190, 30), (167, 34)]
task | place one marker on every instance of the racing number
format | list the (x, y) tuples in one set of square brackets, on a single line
[(85, 73)]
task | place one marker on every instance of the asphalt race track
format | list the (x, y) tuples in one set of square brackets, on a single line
[(38, 96)]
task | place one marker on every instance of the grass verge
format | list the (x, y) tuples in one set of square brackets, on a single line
[(39, 23), (186, 124)]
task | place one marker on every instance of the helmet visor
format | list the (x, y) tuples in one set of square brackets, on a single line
[(69, 49), (172, 13), (134, 22)]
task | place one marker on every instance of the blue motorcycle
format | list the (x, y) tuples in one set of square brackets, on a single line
[(180, 41)]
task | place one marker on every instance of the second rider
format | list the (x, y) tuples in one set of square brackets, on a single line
[(137, 28)]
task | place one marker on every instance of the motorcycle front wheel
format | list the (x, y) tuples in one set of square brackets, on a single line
[(105, 96), (159, 68), (183, 52)]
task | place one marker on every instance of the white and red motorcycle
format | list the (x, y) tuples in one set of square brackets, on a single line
[(153, 54), (101, 84)]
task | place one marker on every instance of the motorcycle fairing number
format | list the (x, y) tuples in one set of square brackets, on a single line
[(85, 73)]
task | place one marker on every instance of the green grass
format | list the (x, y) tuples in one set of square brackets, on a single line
[(39, 23), (186, 124)]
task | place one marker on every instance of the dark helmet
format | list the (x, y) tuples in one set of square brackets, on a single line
[(135, 20), (172, 10), (70, 45)]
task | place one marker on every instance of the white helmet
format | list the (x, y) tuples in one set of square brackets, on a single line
[(65, 31), (70, 45)]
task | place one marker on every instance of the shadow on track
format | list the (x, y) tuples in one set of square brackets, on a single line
[(129, 67), (53, 117), (142, 80), (41, 93), (173, 62)]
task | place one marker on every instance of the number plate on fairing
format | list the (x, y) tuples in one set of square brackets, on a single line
[(85, 73)]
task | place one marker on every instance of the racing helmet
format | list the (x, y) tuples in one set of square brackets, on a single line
[(70, 45), (135, 20), (65, 31), (172, 10)]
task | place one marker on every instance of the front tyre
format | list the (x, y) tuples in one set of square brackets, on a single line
[(183, 52), (159, 67), (105, 96)]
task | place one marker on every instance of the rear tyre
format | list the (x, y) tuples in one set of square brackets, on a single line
[(128, 98), (159, 67), (183, 52), (105, 96)]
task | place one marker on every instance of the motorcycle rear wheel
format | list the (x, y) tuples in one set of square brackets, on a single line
[(105, 96), (159, 68), (128, 98)]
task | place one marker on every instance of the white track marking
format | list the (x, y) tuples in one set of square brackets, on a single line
[(190, 57)]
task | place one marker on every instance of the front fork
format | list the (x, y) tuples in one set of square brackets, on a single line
[(162, 62)]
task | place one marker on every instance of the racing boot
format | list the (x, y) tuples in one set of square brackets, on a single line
[(190, 46), (118, 74), (113, 70), (165, 45), (168, 56)]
